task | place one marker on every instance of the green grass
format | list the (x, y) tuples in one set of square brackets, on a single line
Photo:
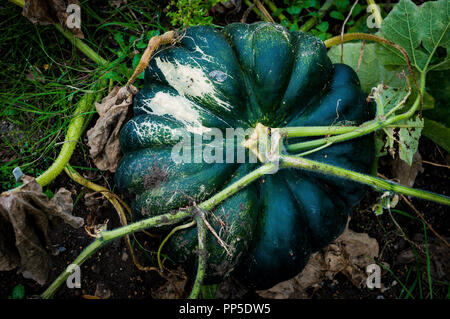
[(418, 282), (42, 76)]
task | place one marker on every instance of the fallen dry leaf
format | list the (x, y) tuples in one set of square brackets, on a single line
[(25, 215), (103, 138), (350, 254), (405, 174), (46, 12)]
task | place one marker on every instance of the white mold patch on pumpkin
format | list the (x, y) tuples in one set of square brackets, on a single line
[(191, 81), (178, 107)]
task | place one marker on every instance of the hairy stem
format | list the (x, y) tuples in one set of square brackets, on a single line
[(202, 255), (157, 221), (304, 131), (70, 142), (78, 122), (79, 44), (288, 161), (364, 129)]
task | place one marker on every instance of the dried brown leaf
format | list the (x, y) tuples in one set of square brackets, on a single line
[(46, 12), (349, 254), (24, 221), (103, 138), (405, 174)]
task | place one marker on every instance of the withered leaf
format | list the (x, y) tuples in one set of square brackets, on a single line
[(103, 138), (349, 254), (405, 173), (25, 215), (46, 12)]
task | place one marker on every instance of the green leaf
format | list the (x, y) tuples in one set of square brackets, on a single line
[(141, 45), (18, 292), (391, 97), (294, 10), (342, 5), (438, 84), (312, 4), (420, 30), (408, 138), (437, 120), (371, 71), (337, 15), (49, 193), (113, 75), (438, 133), (323, 26), (357, 10)]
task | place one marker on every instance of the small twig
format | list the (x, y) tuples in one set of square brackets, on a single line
[(247, 12), (211, 229), (424, 220), (264, 11), (435, 164), (343, 28), (116, 204)]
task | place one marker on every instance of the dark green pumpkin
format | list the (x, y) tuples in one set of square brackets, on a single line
[(237, 77)]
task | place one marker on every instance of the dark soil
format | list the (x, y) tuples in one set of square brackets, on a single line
[(112, 270)]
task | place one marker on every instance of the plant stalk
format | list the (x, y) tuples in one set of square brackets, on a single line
[(157, 221), (364, 129), (70, 142), (79, 44), (288, 161), (202, 256), (108, 236)]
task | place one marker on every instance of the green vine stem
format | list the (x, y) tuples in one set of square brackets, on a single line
[(354, 132), (78, 122), (305, 131), (70, 142), (157, 221), (202, 255), (79, 44), (110, 235), (288, 161)]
